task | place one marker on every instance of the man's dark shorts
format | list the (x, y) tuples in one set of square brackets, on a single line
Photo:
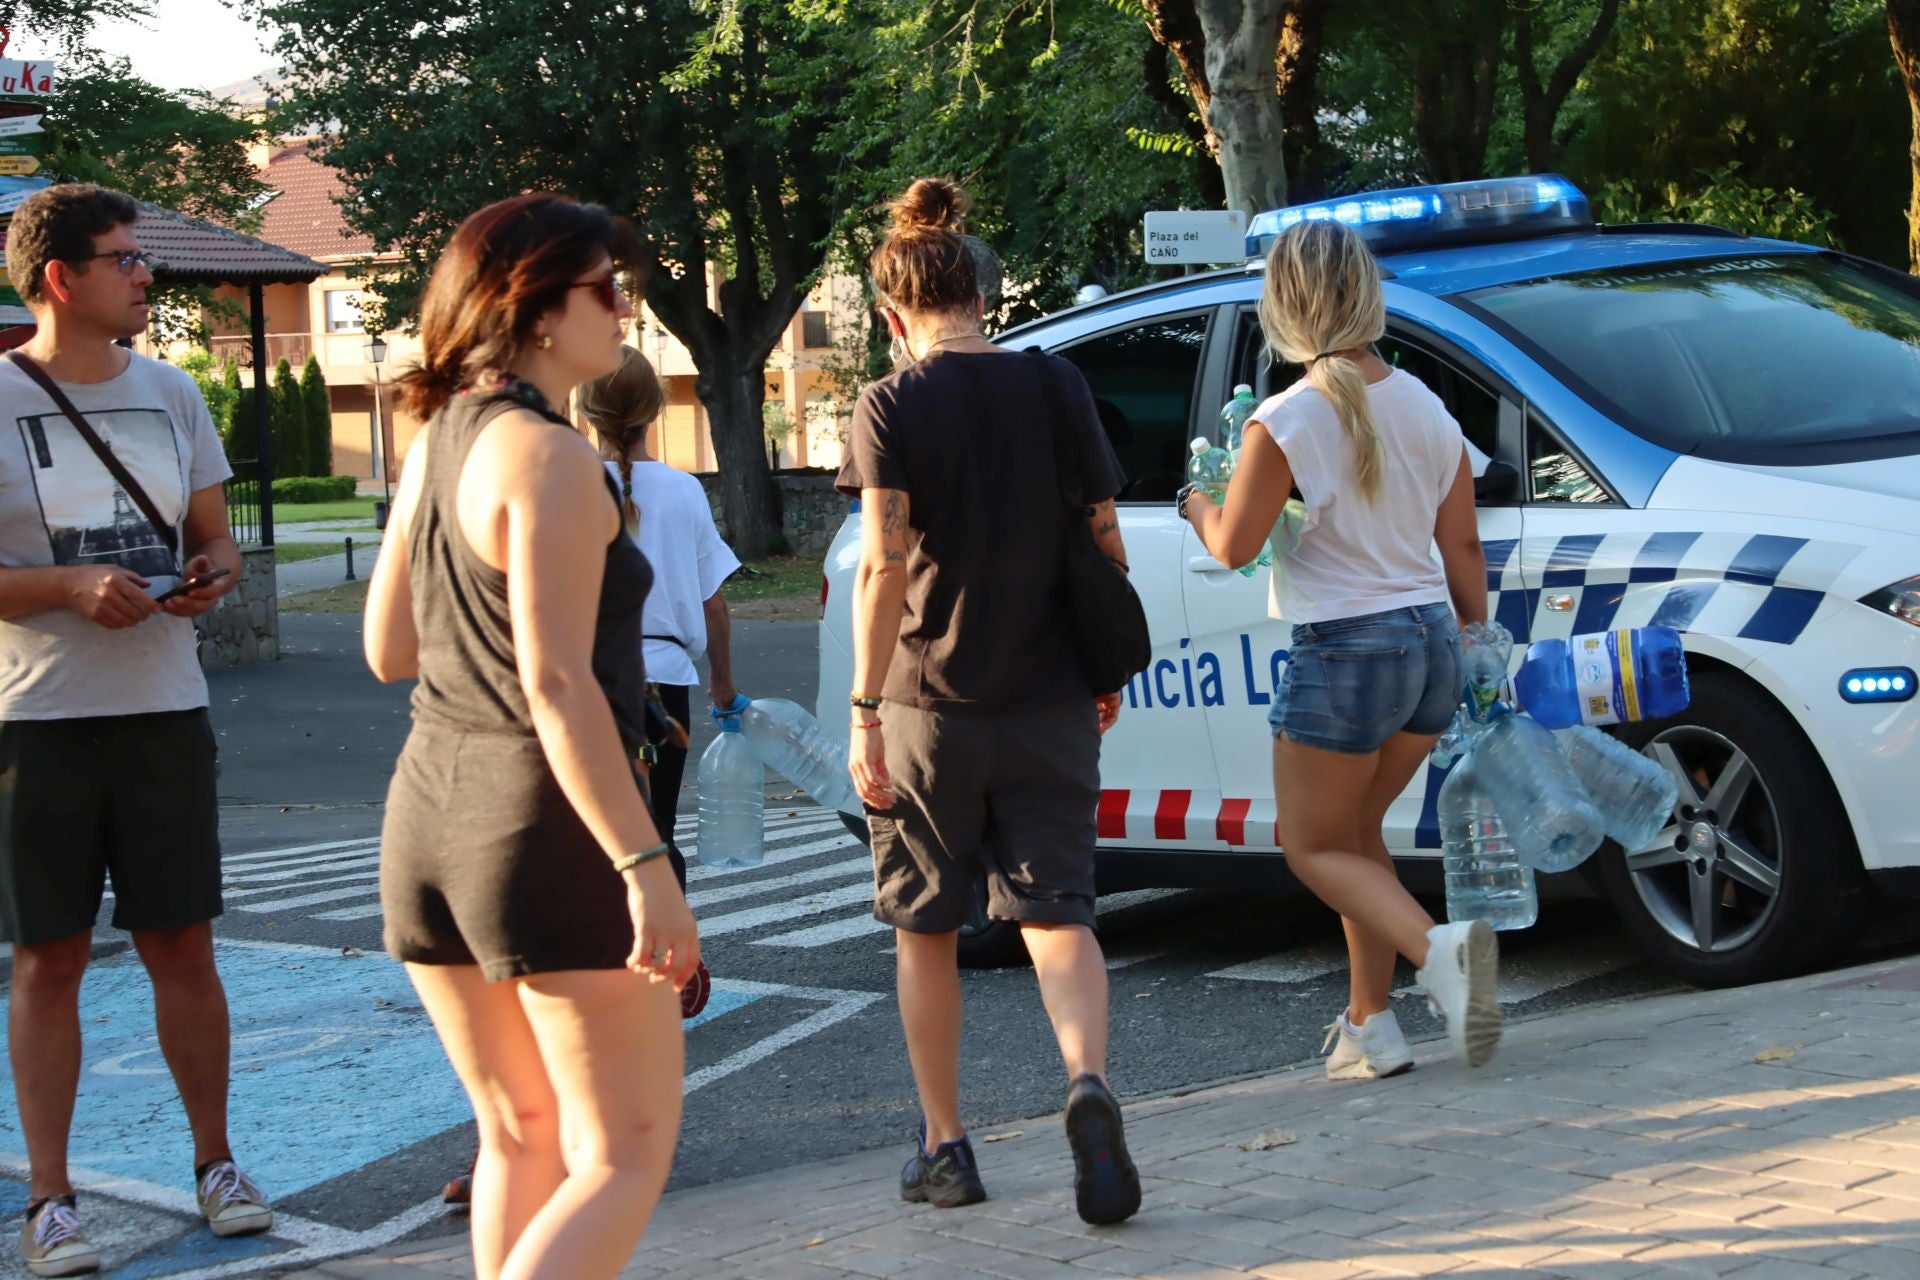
[(1009, 793), (128, 796)]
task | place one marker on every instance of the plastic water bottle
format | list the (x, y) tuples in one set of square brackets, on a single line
[(1633, 795), (1486, 651), (1605, 677), (1547, 814), (1210, 467), (1233, 418), (791, 742), (733, 800), (1484, 875)]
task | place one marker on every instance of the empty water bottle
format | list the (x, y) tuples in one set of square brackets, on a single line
[(732, 800), (1547, 814), (1484, 875), (1637, 673), (1633, 796), (1210, 467), (1233, 418), (791, 742)]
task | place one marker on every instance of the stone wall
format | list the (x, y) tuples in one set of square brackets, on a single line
[(245, 626), (811, 509)]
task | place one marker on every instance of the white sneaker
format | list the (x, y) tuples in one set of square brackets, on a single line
[(52, 1243), (1462, 980), (1378, 1051), (231, 1203)]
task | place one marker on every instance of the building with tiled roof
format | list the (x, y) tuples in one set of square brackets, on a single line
[(305, 213)]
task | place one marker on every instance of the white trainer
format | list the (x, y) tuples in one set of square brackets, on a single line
[(1378, 1051), (231, 1203), (1462, 980)]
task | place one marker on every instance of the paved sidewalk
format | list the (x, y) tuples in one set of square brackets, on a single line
[(1771, 1133)]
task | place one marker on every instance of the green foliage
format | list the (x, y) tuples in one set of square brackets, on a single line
[(287, 412), (776, 422), (306, 489), (1722, 198), (238, 435), (221, 399), (318, 406)]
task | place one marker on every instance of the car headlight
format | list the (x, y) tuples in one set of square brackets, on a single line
[(1902, 600)]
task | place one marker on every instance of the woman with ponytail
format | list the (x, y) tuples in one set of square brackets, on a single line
[(1374, 671), (976, 738)]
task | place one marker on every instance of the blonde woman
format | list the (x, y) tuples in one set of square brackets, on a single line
[(1374, 673)]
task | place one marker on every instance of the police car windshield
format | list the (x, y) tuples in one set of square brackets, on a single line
[(1781, 361)]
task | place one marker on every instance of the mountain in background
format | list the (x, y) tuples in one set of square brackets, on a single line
[(251, 92)]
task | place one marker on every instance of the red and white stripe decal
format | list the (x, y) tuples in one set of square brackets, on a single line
[(1197, 818)]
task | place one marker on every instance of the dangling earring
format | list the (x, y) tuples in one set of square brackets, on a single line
[(546, 342), (898, 349)]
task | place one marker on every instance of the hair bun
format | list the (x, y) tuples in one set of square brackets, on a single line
[(931, 204)]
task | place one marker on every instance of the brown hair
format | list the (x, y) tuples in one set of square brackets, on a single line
[(924, 264), (58, 224), (618, 407), (506, 266)]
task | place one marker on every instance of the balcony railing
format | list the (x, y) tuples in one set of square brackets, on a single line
[(294, 348)]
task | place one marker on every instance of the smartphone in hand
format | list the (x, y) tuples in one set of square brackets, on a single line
[(191, 584)]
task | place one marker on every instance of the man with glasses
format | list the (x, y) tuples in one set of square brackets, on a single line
[(110, 499)]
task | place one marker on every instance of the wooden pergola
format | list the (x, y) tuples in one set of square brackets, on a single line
[(190, 251)]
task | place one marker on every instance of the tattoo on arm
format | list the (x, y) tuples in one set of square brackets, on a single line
[(894, 557), (1105, 527), (895, 516)]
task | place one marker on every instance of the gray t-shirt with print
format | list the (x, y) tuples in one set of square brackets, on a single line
[(59, 505)]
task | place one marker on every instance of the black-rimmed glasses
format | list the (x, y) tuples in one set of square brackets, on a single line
[(125, 259)]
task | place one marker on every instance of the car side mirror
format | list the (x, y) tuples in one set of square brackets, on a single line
[(1499, 482)]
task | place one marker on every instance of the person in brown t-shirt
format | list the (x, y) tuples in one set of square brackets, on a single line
[(988, 763)]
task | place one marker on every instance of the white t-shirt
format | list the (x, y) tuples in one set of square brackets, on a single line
[(689, 560), (1354, 557), (59, 505)]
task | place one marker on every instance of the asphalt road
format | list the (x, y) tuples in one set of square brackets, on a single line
[(344, 1108)]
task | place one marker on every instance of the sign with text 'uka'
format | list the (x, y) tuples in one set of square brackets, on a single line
[(1196, 236), (21, 77)]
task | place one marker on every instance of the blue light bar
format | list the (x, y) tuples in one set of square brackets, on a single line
[(1878, 684), (1451, 213)]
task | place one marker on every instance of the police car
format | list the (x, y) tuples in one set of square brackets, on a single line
[(1684, 426)]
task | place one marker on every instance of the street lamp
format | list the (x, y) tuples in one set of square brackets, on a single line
[(376, 352)]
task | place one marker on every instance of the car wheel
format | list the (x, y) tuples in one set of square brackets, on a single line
[(984, 943), (1756, 875)]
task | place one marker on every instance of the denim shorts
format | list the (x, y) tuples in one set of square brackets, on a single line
[(1352, 683)]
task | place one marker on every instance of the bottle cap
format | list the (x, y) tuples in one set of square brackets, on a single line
[(1200, 446), (1243, 390)]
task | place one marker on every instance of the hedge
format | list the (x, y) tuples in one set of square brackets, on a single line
[(298, 489)]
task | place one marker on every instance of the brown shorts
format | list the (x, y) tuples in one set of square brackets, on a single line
[(1011, 794), (484, 861)]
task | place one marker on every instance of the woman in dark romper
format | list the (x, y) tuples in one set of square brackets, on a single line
[(524, 883)]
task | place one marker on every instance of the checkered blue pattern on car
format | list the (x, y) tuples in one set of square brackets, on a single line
[(1748, 586)]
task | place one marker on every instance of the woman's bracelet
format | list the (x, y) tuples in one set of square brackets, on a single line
[(645, 855), (866, 724), (864, 702)]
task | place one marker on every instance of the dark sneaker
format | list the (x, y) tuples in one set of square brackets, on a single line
[(693, 996), (459, 1191), (1106, 1186), (946, 1179), (52, 1243)]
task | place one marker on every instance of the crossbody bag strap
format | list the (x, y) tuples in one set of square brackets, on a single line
[(1065, 466), (165, 529)]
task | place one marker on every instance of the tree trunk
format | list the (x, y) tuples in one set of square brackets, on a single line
[(1227, 49), (1456, 80), (1243, 39), (1903, 26), (1180, 112), (749, 500), (1297, 71), (1540, 103)]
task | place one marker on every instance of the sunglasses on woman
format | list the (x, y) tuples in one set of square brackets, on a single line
[(607, 289)]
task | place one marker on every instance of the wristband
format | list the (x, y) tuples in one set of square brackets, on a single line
[(863, 702), (645, 855), (866, 724)]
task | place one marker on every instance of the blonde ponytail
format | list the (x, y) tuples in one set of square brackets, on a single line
[(1321, 302)]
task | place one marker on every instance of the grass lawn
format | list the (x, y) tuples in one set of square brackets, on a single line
[(302, 512), (290, 552), (347, 597)]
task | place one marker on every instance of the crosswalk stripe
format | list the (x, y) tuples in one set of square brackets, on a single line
[(774, 856), (832, 871), (363, 912), (306, 899), (821, 935), (811, 904), (303, 848), (279, 888), (1285, 967), (275, 877)]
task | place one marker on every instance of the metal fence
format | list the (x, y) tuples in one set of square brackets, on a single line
[(243, 502)]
